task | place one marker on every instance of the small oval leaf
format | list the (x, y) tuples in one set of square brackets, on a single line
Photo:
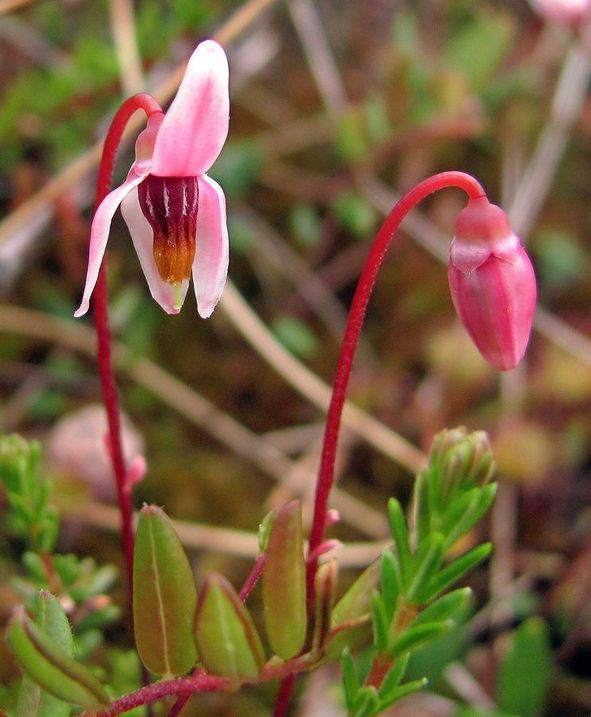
[(284, 583), (32, 700), (51, 666), (228, 641), (164, 596)]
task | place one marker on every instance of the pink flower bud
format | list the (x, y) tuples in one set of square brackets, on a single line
[(492, 283)]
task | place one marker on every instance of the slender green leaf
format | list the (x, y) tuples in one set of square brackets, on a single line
[(399, 531), (426, 562), (524, 673), (351, 682), (422, 511), (403, 691), (357, 600), (455, 570), (445, 608), (415, 636), (366, 702), (392, 679), (164, 596), (380, 622), (284, 583), (472, 514), (51, 666), (33, 701), (353, 609), (228, 641), (389, 582)]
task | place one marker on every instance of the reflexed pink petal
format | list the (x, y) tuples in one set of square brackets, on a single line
[(211, 258), (142, 236), (101, 224), (196, 124)]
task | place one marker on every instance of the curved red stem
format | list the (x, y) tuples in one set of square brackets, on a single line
[(361, 298), (149, 105)]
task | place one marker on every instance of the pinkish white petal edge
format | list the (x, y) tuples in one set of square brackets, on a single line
[(195, 126), (210, 268), (101, 225)]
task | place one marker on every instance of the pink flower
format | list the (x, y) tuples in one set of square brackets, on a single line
[(492, 283), (561, 10), (175, 213)]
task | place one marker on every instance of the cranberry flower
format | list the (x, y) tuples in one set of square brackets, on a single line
[(561, 10), (492, 283), (175, 213)]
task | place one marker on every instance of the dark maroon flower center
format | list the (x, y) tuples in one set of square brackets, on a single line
[(170, 205)]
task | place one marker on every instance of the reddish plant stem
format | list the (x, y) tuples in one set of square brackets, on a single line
[(247, 588), (252, 578), (361, 298), (185, 686), (200, 682), (149, 105), (284, 696), (177, 707)]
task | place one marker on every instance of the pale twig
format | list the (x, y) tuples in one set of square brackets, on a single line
[(310, 386), (567, 103), (30, 42), (467, 687), (186, 401), (9, 5), (197, 536), (277, 252), (131, 72), (318, 54)]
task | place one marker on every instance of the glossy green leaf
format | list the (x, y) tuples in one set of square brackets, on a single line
[(425, 563), (415, 636), (227, 639), (399, 529), (445, 608), (284, 583), (33, 701), (402, 691), (392, 679), (48, 664), (351, 615), (265, 530), (366, 702), (524, 673), (389, 581), (480, 500), (422, 511), (351, 682), (455, 570), (380, 622), (357, 600), (164, 596)]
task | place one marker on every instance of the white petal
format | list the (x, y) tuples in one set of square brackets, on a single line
[(210, 267), (169, 298), (101, 225)]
